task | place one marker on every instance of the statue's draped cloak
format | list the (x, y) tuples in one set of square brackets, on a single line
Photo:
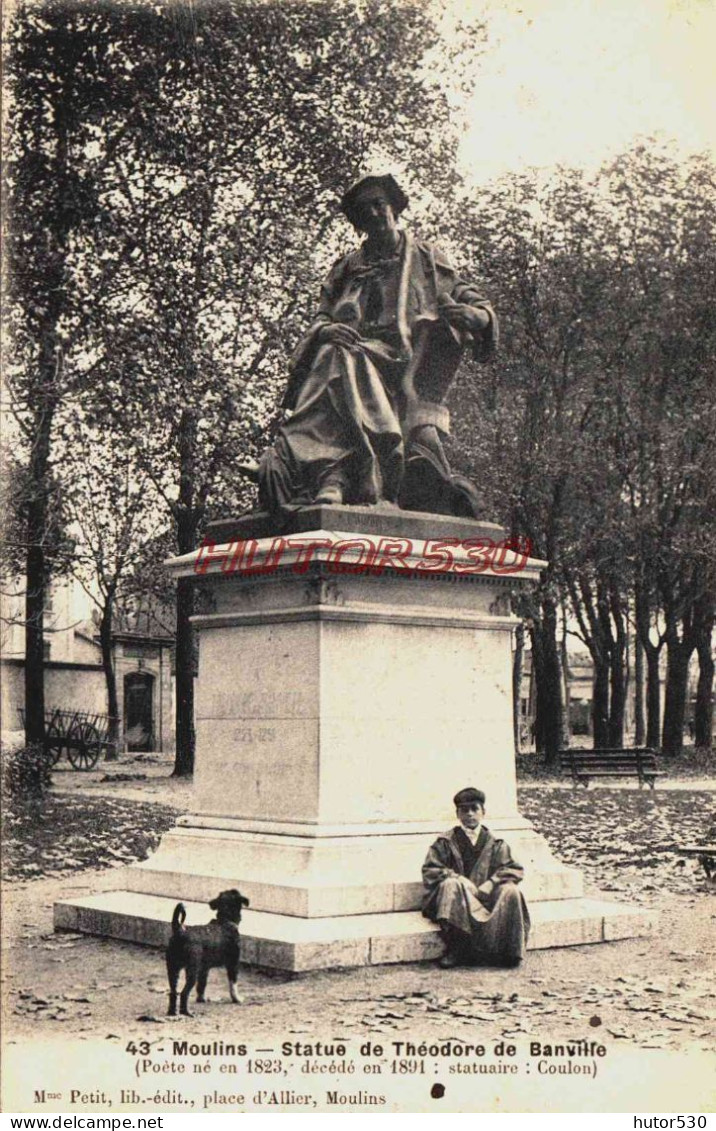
[(351, 419), (495, 919)]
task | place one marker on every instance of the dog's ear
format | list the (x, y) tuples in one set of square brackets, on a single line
[(214, 903), (244, 901)]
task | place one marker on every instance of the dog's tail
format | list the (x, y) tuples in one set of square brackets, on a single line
[(178, 919)]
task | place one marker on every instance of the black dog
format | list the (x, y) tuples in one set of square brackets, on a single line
[(197, 949)]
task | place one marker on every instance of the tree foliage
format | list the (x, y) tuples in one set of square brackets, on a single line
[(54, 77), (189, 171), (593, 432), (173, 176)]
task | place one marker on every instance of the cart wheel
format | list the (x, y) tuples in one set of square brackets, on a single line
[(83, 745)]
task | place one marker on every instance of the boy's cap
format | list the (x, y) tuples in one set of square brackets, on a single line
[(468, 797)]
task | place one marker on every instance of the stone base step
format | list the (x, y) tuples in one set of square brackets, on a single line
[(283, 942), (313, 900), (326, 876)]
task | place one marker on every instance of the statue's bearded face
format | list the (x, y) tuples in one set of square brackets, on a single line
[(374, 212)]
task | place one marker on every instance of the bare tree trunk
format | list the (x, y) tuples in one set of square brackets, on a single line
[(35, 563), (704, 711), (537, 684), (653, 699), (186, 540), (600, 704), (184, 674), (555, 721), (652, 652), (619, 672), (55, 236), (105, 640), (703, 714), (517, 669), (564, 664), (680, 616), (617, 699), (677, 676), (550, 699), (34, 640), (639, 718), (591, 603), (563, 736), (540, 687)]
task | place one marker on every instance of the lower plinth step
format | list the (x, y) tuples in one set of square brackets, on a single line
[(284, 942)]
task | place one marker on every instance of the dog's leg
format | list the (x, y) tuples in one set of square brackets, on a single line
[(232, 972), (173, 976), (188, 987), (201, 984)]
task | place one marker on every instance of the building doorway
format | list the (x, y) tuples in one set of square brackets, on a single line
[(139, 711)]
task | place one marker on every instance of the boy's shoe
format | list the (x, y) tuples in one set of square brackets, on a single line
[(448, 960)]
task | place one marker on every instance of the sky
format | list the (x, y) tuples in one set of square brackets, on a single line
[(577, 81)]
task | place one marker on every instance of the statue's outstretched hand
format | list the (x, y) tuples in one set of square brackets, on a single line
[(338, 334), (464, 317)]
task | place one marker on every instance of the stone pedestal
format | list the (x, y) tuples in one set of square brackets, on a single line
[(355, 672)]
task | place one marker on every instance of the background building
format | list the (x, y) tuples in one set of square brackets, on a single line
[(74, 677)]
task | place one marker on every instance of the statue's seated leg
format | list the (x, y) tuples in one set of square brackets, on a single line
[(430, 485), (277, 477), (343, 443), (426, 482)]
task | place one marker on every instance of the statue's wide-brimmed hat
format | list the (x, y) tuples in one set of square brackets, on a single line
[(390, 187)]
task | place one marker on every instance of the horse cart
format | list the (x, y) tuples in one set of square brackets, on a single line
[(82, 736)]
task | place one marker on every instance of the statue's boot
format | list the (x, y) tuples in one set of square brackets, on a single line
[(332, 488), (333, 493)]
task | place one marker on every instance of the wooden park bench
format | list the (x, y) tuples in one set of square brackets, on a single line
[(706, 856), (638, 762), (704, 853)]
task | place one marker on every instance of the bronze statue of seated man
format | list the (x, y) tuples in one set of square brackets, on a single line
[(369, 379)]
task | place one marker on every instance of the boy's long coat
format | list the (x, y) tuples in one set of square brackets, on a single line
[(452, 895)]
